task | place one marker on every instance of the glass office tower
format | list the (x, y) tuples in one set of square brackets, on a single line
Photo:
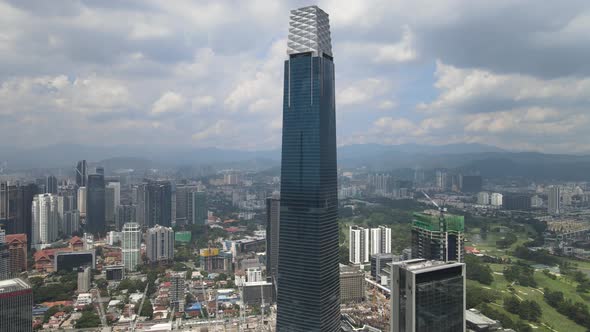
[(308, 288)]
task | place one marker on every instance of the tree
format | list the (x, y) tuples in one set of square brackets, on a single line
[(478, 271), (147, 310), (477, 295), (512, 304), (88, 319)]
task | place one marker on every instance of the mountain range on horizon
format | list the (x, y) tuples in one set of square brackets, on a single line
[(487, 160)]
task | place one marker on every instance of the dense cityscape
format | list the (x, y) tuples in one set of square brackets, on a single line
[(316, 236)]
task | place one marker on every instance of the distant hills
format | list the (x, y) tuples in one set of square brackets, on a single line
[(487, 160)]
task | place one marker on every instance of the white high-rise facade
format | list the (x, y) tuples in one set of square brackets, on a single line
[(496, 199), (359, 245), (45, 223), (483, 198), (82, 201), (365, 242), (131, 245), (160, 244), (385, 240), (553, 203)]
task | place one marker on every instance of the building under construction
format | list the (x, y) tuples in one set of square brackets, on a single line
[(214, 260), (438, 236)]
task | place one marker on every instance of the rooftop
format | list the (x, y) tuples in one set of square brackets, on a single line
[(11, 285)]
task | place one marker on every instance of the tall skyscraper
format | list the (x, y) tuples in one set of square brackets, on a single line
[(273, 213), (437, 238), (81, 173), (125, 214), (24, 217), (16, 301), (199, 208), (95, 204), (51, 185), (553, 201), (8, 199), (385, 233), (131, 245), (159, 244), (308, 296), (45, 220), (427, 296), (177, 291), (154, 203), (359, 239), (184, 211), (109, 205)]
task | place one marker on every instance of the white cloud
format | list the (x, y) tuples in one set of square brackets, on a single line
[(387, 104), (168, 102), (362, 91)]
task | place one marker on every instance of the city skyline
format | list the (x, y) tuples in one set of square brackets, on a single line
[(403, 81)]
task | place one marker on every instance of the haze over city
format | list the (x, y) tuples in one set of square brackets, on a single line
[(284, 166)]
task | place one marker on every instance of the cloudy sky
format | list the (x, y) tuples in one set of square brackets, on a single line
[(514, 74)]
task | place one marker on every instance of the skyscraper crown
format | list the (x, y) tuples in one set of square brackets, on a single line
[(309, 31)]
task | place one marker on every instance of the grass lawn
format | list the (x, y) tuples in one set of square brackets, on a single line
[(551, 318)]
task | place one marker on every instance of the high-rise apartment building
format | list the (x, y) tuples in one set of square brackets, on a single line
[(273, 213), (177, 291), (159, 244), (45, 220), (364, 242), (496, 199), (198, 205), (82, 195), (16, 303), (71, 222), (81, 173), (554, 200), (308, 296), (359, 239), (131, 245), (427, 296), (95, 204), (438, 238), (483, 198)]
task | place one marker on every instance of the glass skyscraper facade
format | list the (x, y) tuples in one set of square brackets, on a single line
[(95, 204), (308, 282), (427, 296)]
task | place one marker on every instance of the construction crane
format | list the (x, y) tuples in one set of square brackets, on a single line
[(133, 323), (441, 222)]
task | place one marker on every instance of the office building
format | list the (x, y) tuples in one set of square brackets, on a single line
[(115, 272), (154, 203), (17, 250), (109, 205), (116, 192), (51, 185), (437, 238), (45, 220), (81, 173), (496, 199), (379, 261), (125, 214), (15, 207), (159, 244), (308, 296), (358, 245), (184, 213), (4, 256), (177, 290), (273, 210), (554, 200), (198, 208), (253, 274), (71, 222), (131, 245), (516, 202), (470, 183), (483, 198), (71, 260), (99, 170), (95, 205), (352, 284), (254, 292), (84, 279), (16, 303), (427, 296)]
